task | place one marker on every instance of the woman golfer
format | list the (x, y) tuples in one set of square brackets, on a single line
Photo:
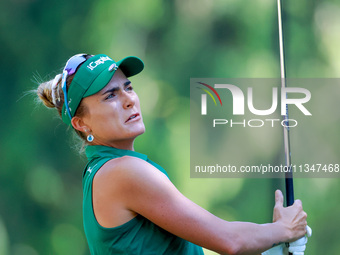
[(129, 205)]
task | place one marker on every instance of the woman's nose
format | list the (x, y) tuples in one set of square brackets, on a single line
[(129, 99)]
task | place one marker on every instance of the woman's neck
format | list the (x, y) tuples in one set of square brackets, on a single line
[(126, 144)]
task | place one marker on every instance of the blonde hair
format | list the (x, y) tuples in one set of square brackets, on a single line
[(52, 96)]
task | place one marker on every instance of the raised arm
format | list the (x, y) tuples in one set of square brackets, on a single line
[(143, 189)]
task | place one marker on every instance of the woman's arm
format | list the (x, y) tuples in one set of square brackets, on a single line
[(143, 189)]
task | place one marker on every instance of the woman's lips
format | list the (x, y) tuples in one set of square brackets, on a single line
[(134, 116)]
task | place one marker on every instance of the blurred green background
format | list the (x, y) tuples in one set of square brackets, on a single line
[(40, 175)]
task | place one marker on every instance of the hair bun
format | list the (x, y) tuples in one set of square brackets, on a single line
[(46, 92)]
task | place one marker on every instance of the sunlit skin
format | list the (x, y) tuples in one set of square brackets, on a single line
[(114, 117), (127, 186)]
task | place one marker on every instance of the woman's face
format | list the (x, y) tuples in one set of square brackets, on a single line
[(113, 114)]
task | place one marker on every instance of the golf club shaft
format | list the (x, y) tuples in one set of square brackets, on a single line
[(289, 174)]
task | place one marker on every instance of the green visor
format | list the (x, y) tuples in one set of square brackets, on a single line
[(93, 75)]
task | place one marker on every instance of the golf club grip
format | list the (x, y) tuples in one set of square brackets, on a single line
[(290, 195), (289, 191)]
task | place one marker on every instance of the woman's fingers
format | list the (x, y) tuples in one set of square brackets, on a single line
[(293, 217), (278, 198)]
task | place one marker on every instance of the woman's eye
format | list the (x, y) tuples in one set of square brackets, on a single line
[(129, 88), (110, 96)]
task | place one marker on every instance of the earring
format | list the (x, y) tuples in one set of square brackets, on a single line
[(90, 138)]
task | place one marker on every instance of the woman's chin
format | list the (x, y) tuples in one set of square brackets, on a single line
[(137, 131), (141, 131)]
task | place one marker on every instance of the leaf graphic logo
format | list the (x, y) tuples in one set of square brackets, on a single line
[(204, 97)]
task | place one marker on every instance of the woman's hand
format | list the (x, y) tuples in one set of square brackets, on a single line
[(297, 247), (292, 218)]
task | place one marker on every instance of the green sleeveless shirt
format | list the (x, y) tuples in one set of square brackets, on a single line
[(137, 236)]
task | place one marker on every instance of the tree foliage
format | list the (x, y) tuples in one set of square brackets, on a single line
[(40, 177)]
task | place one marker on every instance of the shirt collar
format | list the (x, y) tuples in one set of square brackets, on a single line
[(99, 151)]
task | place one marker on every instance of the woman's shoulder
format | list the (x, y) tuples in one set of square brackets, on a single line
[(127, 169), (126, 164)]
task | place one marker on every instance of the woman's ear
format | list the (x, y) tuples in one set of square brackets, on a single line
[(78, 124)]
